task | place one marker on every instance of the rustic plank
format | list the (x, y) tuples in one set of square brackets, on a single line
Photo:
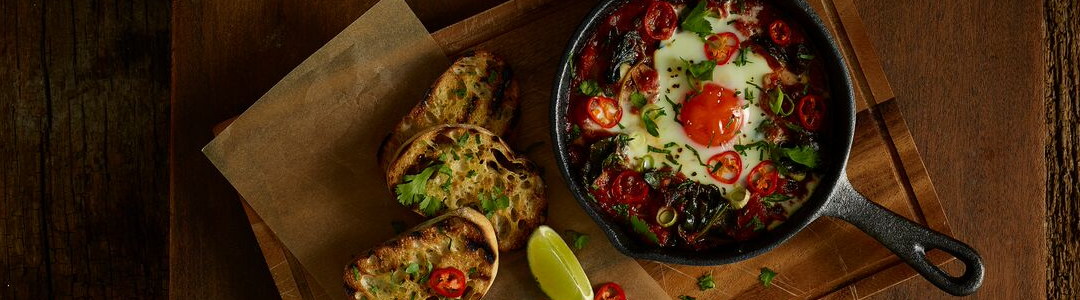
[(1062, 103), (973, 107), (84, 211)]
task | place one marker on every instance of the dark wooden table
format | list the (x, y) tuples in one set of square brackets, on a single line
[(86, 129)]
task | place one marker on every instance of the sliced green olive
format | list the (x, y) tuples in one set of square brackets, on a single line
[(738, 197), (666, 216)]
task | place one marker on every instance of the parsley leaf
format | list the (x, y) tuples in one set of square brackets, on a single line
[(460, 93), (412, 190), (430, 206), (577, 239), (496, 200), (685, 297), (642, 228), (356, 273), (638, 100), (492, 77), (766, 277), (649, 118), (804, 155), (701, 70), (590, 88), (413, 269), (695, 20), (705, 282), (774, 198)]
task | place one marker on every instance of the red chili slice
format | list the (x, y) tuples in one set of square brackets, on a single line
[(725, 167), (447, 282), (721, 47), (610, 291), (763, 179), (629, 188), (659, 22), (780, 33), (811, 112), (605, 111)]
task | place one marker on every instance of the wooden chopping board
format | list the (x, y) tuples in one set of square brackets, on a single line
[(829, 259)]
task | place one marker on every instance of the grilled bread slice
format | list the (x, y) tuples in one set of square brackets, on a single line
[(401, 267), (478, 89), (454, 166)]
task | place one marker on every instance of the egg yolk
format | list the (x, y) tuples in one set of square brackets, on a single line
[(712, 117)]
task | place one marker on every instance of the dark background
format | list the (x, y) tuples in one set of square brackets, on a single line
[(989, 90)]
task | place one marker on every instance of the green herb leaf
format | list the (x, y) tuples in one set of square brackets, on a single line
[(494, 75), (460, 93), (676, 107), (740, 58), (758, 225), (803, 155), (766, 277), (471, 272), (774, 198), (575, 132), (431, 206), (590, 88), (649, 119), (471, 174), (642, 228), (413, 269), (412, 190), (685, 297), (463, 140), (356, 273), (658, 150), (577, 240), (700, 70), (638, 100), (705, 282), (695, 20), (805, 56), (621, 209)]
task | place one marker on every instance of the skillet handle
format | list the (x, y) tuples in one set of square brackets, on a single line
[(908, 240)]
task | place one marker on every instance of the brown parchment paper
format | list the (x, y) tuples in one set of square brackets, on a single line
[(304, 157)]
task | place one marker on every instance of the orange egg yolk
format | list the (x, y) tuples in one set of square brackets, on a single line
[(712, 117)]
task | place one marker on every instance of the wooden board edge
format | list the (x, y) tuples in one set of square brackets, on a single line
[(505, 17), (913, 169)]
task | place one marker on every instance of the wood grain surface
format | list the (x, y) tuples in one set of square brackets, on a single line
[(970, 87), (84, 136), (1062, 104), (84, 126)]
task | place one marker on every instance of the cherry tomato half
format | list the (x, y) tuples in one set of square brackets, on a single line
[(780, 33), (605, 111), (610, 291), (659, 22), (447, 282), (727, 166), (629, 188), (811, 112), (712, 117), (721, 47), (763, 179)]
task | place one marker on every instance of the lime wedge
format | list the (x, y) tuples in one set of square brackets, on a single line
[(555, 268)]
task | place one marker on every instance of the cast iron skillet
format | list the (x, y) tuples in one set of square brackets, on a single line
[(834, 197)]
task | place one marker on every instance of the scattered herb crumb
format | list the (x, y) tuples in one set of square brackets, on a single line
[(577, 240), (705, 282), (685, 297), (766, 277)]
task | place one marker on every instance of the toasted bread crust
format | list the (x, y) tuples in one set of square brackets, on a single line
[(461, 239), (477, 89), (476, 166)]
